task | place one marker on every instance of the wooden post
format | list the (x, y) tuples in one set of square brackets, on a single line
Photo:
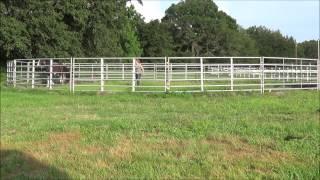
[(101, 75), (133, 74), (201, 74), (231, 73)]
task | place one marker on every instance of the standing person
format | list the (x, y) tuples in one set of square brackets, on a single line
[(139, 71)]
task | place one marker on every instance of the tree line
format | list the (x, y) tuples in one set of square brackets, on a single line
[(55, 28)]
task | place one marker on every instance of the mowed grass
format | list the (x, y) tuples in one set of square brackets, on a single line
[(127, 135)]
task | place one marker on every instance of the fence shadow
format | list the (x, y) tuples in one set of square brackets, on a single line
[(18, 165)]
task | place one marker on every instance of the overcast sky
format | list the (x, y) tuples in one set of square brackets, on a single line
[(297, 18)]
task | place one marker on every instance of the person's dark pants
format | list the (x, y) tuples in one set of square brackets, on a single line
[(138, 78)]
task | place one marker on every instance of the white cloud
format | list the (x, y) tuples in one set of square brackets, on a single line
[(150, 9), (155, 9)]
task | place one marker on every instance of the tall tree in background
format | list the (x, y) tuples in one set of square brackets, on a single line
[(109, 31), (67, 28), (198, 28), (37, 31), (308, 49), (156, 39), (272, 43)]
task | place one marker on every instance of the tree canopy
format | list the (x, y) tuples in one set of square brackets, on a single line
[(56, 28), (199, 29)]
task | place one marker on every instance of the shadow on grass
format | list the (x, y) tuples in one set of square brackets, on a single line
[(18, 165)]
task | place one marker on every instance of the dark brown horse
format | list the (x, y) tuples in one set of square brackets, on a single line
[(60, 72)]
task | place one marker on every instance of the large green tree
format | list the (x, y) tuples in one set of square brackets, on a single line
[(156, 39), (308, 49), (56, 28), (200, 29), (110, 30), (272, 43)]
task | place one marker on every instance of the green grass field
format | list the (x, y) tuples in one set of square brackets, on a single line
[(159, 136)]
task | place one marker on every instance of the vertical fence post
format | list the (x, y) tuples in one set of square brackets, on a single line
[(122, 71), (218, 71), (308, 72), (201, 74), (14, 73), (231, 73), (101, 75), (70, 75), (21, 70), (318, 73), (170, 72), (79, 70), (154, 71), (107, 71), (301, 73), (133, 74), (50, 75), (32, 75), (293, 73), (169, 76), (11, 72), (296, 71), (91, 71), (73, 74), (165, 74), (262, 74), (8, 72), (185, 71), (283, 79), (28, 73)]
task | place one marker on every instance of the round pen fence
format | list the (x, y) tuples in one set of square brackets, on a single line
[(165, 74)]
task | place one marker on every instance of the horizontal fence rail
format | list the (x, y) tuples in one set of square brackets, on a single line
[(165, 74)]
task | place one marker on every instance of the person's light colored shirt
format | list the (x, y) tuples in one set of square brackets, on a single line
[(139, 68)]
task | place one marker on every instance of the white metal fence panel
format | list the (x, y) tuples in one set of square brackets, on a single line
[(161, 74)]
